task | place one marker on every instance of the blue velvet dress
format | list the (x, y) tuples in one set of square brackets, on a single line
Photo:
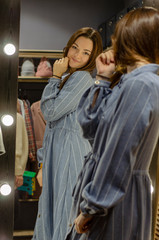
[(114, 185), (62, 153)]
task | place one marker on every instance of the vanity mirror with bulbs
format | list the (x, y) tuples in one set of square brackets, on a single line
[(9, 48), (35, 29)]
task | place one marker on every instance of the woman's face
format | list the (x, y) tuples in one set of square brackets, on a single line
[(80, 51)]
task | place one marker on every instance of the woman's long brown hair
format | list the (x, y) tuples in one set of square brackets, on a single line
[(136, 37), (93, 35)]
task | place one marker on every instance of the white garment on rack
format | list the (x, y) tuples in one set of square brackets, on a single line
[(21, 151), (22, 108), (2, 149)]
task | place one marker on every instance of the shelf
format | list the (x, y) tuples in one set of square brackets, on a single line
[(28, 200), (21, 233), (52, 55), (32, 79), (40, 53)]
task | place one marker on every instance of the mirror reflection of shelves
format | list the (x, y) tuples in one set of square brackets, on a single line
[(31, 87), (40, 53), (33, 79), (36, 55)]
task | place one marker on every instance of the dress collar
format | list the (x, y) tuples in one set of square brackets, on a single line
[(154, 68)]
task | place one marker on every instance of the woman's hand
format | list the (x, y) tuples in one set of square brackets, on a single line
[(18, 181), (39, 177), (82, 223), (60, 66), (105, 64)]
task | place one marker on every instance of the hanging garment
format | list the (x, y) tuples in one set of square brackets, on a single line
[(30, 131), (2, 149), (22, 110), (21, 151), (39, 123)]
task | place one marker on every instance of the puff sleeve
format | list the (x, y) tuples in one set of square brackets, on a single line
[(57, 103), (121, 138), (89, 116)]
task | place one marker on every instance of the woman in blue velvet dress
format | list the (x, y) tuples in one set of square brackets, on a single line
[(64, 147), (112, 197)]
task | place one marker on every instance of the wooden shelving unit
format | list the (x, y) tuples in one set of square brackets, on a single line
[(40, 53), (51, 55), (32, 79)]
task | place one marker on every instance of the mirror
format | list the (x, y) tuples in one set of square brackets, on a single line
[(49, 25), (10, 16), (44, 25)]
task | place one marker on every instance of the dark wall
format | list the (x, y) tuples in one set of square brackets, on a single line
[(151, 3), (9, 29), (48, 24)]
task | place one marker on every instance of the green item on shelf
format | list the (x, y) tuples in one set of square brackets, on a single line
[(29, 174)]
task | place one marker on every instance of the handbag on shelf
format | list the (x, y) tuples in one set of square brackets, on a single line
[(44, 68), (28, 68)]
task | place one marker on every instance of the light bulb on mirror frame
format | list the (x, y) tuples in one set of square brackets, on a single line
[(7, 120), (5, 189), (9, 49)]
